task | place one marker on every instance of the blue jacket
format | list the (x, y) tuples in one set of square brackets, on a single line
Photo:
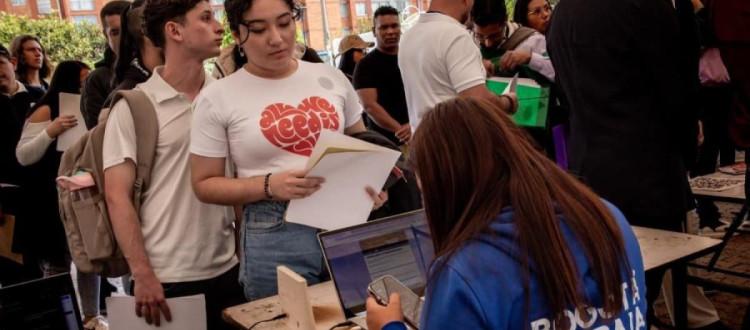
[(480, 286)]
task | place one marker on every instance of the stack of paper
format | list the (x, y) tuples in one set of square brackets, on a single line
[(70, 105), (188, 313), (348, 166)]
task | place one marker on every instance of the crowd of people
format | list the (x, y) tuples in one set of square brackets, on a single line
[(523, 237)]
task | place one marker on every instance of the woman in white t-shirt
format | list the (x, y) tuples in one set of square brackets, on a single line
[(267, 118)]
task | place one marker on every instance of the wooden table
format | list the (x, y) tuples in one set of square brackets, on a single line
[(671, 250), (660, 249), (325, 302), (734, 195)]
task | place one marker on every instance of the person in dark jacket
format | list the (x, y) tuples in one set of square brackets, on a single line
[(716, 101), (99, 83), (137, 56), (630, 71), (37, 151), (732, 30), (15, 102), (628, 126)]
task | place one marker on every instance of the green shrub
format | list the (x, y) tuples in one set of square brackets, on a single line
[(61, 39)]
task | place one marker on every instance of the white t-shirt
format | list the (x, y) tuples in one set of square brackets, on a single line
[(272, 125), (438, 59), (185, 239)]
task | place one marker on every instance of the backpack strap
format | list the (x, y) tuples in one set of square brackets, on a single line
[(519, 36), (146, 135)]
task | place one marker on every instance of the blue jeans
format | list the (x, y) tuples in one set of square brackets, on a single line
[(269, 241)]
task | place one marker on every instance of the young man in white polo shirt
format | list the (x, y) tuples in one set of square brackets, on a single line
[(176, 246), (439, 60)]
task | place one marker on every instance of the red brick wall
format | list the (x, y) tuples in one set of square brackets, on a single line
[(314, 21), (69, 13)]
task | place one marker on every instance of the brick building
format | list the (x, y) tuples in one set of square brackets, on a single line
[(344, 16), (73, 10), (347, 17)]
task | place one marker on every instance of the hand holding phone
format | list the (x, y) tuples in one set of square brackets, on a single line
[(378, 315), (411, 305)]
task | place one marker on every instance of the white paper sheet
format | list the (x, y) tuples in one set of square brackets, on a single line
[(188, 313), (511, 88), (70, 105), (342, 200)]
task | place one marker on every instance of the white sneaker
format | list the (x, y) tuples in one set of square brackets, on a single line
[(97, 323)]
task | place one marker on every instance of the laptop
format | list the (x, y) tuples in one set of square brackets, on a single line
[(399, 245), (43, 304)]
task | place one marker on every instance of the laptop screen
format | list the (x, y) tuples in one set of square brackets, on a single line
[(47, 303), (400, 246)]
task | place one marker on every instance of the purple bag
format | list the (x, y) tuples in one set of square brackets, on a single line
[(711, 70)]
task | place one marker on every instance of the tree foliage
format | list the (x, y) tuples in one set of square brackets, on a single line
[(61, 39)]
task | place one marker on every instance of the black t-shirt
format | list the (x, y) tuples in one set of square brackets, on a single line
[(36, 92), (380, 71)]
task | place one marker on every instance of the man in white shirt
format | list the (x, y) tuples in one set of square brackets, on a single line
[(176, 245), (439, 60)]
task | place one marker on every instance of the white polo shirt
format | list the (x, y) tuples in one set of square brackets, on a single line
[(438, 59), (185, 239)]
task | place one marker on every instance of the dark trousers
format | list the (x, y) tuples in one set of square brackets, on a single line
[(11, 272), (716, 104), (221, 292)]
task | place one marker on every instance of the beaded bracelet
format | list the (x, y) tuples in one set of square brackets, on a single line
[(267, 186)]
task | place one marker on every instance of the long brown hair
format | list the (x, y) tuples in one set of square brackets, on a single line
[(22, 67), (472, 161)]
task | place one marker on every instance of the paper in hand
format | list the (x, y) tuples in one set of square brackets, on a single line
[(511, 88), (348, 165), (70, 105), (188, 313)]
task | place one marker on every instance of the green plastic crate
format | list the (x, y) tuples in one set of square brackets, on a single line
[(533, 100)]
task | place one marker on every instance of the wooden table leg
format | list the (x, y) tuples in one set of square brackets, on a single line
[(679, 295)]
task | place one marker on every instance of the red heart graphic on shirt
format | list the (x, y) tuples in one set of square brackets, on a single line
[(296, 129)]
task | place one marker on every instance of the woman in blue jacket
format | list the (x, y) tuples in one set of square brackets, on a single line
[(519, 243)]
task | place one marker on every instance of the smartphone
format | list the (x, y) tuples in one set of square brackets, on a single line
[(411, 303)]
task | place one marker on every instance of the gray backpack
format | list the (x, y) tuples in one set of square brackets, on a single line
[(84, 214)]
